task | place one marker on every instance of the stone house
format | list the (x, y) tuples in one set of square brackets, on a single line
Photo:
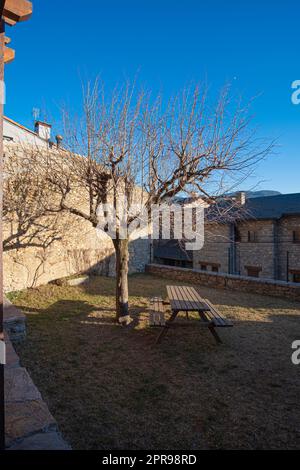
[(260, 238), (263, 242), (15, 132), (78, 249)]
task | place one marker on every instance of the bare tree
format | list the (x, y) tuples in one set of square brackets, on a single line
[(132, 145)]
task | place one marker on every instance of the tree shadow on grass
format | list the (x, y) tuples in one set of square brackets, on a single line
[(109, 387), (83, 311)]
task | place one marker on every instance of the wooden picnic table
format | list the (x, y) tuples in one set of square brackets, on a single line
[(187, 299)]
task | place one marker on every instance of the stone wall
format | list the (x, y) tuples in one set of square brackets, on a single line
[(289, 290), (259, 254), (79, 250), (64, 244), (216, 248), (288, 252)]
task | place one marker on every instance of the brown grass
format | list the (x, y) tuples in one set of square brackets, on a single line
[(111, 388)]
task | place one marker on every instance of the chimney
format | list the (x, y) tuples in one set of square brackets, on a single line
[(59, 140), (241, 198), (43, 130)]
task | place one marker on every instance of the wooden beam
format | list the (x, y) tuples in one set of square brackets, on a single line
[(2, 2), (8, 21), (16, 10), (2, 413), (9, 55)]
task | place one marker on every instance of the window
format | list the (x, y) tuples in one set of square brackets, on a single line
[(183, 263), (252, 236), (252, 271), (296, 236), (295, 276), (208, 266), (168, 262), (237, 234)]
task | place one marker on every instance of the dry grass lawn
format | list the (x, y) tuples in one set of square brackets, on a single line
[(110, 388)]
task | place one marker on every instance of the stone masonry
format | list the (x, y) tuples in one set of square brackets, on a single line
[(288, 290), (265, 246), (215, 251), (78, 248)]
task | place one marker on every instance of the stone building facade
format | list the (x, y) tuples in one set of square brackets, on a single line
[(289, 248), (80, 248), (214, 255), (259, 239), (265, 243)]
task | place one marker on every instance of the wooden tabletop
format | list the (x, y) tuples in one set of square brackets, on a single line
[(186, 299)]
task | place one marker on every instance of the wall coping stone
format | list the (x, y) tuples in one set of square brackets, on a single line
[(229, 276), (290, 290)]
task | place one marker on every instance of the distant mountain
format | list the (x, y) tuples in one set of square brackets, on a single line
[(249, 195), (263, 193)]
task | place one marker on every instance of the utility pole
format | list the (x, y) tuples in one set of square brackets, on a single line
[(12, 12)]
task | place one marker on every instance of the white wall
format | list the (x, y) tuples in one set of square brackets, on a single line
[(20, 135)]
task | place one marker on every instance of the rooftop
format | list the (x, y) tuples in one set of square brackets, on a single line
[(273, 207), (258, 208)]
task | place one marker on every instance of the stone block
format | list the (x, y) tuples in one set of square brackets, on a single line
[(19, 386), (24, 419), (42, 441), (12, 359), (78, 281), (14, 322)]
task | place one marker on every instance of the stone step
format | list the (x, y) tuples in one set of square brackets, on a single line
[(12, 359), (14, 321), (24, 419), (43, 441), (78, 281), (19, 386), (29, 424)]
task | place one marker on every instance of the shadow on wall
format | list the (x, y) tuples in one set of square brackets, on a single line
[(30, 267), (139, 257)]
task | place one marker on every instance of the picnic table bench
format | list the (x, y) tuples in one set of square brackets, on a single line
[(186, 299), (157, 312)]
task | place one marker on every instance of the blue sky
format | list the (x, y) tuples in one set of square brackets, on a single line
[(253, 44)]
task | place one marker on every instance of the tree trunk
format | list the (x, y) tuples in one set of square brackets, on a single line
[(122, 258)]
